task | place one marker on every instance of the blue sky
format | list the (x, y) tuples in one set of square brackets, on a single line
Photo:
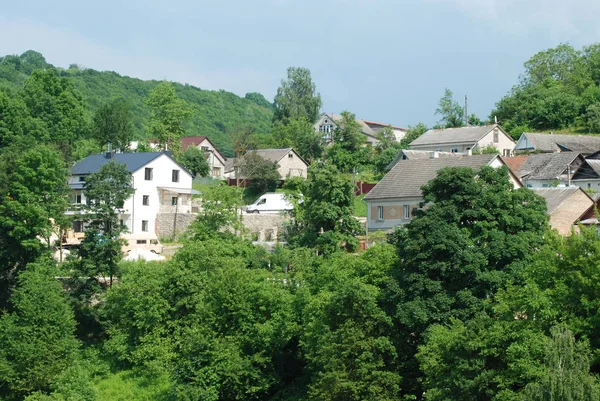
[(384, 60)]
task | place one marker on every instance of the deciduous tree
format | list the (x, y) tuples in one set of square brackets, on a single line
[(297, 97), (113, 124), (168, 117)]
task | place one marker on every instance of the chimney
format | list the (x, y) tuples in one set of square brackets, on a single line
[(109, 151), (469, 152), (435, 155)]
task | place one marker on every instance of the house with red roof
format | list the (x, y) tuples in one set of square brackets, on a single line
[(216, 160)]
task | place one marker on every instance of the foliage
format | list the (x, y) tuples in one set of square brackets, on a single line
[(487, 150), (325, 219), (214, 113), (168, 116), (412, 133), (194, 160), (33, 190), (220, 212), (37, 339), (296, 98), (113, 124), (452, 113), (300, 135), (345, 152), (263, 174)]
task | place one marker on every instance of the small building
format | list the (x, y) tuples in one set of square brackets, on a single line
[(328, 122), (556, 143), (392, 201), (465, 140), (161, 186), (566, 207), (290, 163), (216, 160)]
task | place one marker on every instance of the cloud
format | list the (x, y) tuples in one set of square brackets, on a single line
[(62, 47), (572, 20)]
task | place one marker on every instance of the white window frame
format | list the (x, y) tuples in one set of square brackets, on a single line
[(145, 226), (406, 211), (379, 212)]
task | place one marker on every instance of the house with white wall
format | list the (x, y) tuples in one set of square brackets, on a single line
[(216, 160), (289, 162), (161, 186), (392, 202), (556, 143), (328, 122), (465, 140)]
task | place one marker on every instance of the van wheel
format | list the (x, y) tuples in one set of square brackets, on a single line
[(256, 211)]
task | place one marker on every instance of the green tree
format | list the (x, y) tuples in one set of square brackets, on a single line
[(345, 152), (33, 190), (263, 174), (592, 117), (37, 339), (194, 160), (452, 114), (168, 117), (106, 192), (324, 219), (412, 133), (296, 97), (568, 371), (113, 124), (57, 105), (459, 251), (220, 212), (300, 135)]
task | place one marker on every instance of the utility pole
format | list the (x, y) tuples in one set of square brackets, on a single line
[(466, 113)]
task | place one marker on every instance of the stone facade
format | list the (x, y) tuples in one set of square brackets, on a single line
[(171, 224), (268, 226)]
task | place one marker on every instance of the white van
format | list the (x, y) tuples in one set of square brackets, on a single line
[(147, 241), (270, 203)]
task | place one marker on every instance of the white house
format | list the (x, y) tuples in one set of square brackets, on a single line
[(328, 122), (290, 163), (216, 160), (555, 143), (160, 186), (392, 201), (465, 139)]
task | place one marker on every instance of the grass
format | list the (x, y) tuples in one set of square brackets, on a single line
[(360, 207)]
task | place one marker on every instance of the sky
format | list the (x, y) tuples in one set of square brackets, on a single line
[(384, 60)]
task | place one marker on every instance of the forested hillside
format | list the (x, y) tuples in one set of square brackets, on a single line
[(218, 114), (558, 91)]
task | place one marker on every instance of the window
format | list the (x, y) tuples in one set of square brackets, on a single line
[(406, 212), (589, 185), (204, 148), (495, 135), (528, 186), (148, 174), (122, 223), (262, 201), (141, 241), (78, 226), (173, 201), (144, 225), (544, 185), (77, 198), (216, 171), (81, 178), (290, 155), (146, 200), (454, 150), (175, 176), (379, 212)]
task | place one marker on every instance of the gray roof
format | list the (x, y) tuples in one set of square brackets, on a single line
[(364, 127), (453, 135), (230, 164), (273, 155), (594, 164), (133, 161), (546, 166), (407, 154), (408, 176), (562, 143), (555, 197)]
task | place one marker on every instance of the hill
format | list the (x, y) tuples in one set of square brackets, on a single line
[(217, 114)]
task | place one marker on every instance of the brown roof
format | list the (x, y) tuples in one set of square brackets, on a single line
[(407, 177), (192, 141), (515, 162)]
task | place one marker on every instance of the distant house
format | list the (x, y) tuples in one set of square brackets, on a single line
[(407, 154), (544, 170), (555, 143), (392, 201), (566, 206), (161, 185), (465, 139), (216, 160), (328, 122), (290, 163)]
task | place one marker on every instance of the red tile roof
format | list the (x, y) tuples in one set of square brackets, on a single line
[(192, 141)]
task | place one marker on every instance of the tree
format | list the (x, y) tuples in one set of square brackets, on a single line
[(451, 112), (300, 135), (297, 97), (113, 124), (592, 118), (33, 190), (57, 105), (263, 174), (345, 153), (106, 192), (168, 117), (194, 160), (412, 133), (471, 240), (324, 219), (220, 212), (568, 371), (37, 339)]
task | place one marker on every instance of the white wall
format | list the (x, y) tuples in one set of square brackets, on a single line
[(505, 144), (292, 166), (215, 160)]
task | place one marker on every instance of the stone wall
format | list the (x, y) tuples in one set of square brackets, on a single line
[(266, 225), (168, 226)]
